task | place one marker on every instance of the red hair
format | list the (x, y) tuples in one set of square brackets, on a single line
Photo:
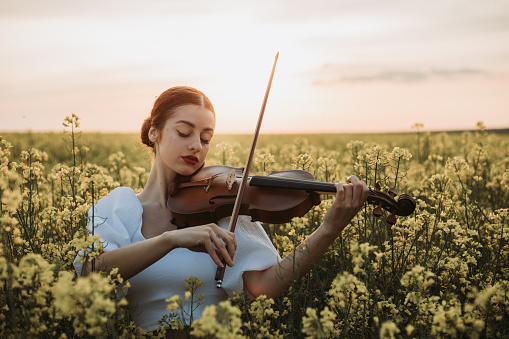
[(166, 104)]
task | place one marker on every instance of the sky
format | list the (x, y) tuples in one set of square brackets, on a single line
[(345, 66)]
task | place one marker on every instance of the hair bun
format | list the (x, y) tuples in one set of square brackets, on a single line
[(145, 128)]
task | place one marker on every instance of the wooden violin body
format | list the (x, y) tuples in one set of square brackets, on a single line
[(210, 194)]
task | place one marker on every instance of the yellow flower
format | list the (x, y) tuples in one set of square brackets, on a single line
[(389, 330), (174, 303)]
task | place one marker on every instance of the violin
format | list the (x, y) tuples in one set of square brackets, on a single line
[(277, 198)]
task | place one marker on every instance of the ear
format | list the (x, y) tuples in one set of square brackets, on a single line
[(153, 134)]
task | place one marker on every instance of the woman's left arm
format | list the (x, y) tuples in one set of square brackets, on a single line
[(273, 281)]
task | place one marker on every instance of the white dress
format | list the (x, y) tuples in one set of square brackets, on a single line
[(118, 219)]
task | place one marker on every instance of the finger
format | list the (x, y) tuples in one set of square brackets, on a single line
[(348, 194), (357, 189), (231, 244), (365, 191), (222, 248), (212, 253), (340, 191), (363, 188), (228, 238)]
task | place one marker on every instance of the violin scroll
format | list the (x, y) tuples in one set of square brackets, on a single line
[(404, 206)]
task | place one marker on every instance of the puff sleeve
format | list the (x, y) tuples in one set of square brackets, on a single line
[(255, 252), (116, 217)]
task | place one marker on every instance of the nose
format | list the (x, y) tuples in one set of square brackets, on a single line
[(195, 145)]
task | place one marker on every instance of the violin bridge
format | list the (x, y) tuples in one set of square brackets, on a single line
[(231, 179)]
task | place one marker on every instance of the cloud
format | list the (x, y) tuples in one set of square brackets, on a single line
[(453, 72), (332, 78)]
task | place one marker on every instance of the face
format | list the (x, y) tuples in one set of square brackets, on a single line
[(183, 143)]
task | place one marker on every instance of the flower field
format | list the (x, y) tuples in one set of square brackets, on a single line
[(441, 272)]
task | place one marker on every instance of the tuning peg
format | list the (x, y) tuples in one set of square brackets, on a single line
[(378, 211), (391, 219)]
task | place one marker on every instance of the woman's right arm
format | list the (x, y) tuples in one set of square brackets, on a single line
[(134, 258)]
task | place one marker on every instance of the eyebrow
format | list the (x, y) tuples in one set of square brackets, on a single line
[(193, 125)]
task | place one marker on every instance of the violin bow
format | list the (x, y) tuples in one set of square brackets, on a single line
[(240, 193)]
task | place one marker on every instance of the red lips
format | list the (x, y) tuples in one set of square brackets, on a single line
[(190, 159)]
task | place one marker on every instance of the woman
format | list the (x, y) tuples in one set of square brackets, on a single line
[(155, 257)]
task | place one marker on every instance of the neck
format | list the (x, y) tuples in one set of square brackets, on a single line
[(156, 188)]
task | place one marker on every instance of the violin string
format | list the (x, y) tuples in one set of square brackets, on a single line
[(300, 180)]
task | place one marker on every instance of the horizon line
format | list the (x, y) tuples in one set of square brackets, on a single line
[(506, 129)]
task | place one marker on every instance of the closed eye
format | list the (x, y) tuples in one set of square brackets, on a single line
[(182, 134)]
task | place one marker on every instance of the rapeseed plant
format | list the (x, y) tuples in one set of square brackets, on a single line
[(441, 272)]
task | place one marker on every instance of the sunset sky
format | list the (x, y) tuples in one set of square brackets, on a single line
[(344, 65)]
